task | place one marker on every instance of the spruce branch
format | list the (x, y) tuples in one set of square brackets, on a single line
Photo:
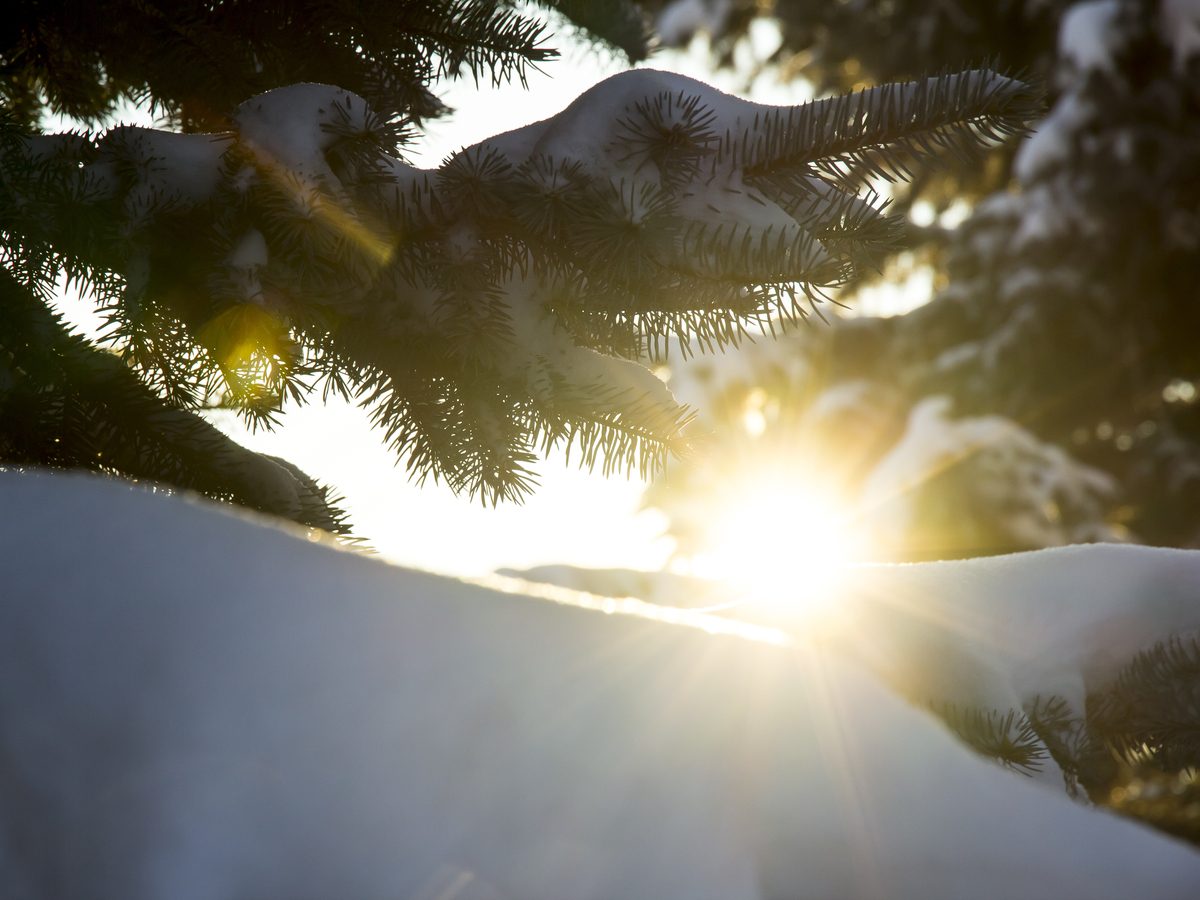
[(1083, 756), (481, 36), (1152, 710), (617, 441), (498, 304), (195, 61), (1009, 737), (883, 131), (66, 404), (615, 23), (671, 131)]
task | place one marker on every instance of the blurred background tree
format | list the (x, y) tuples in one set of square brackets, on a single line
[(1042, 390)]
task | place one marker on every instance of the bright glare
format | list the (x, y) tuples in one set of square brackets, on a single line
[(786, 546)]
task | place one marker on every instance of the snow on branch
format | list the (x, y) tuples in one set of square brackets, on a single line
[(499, 304)]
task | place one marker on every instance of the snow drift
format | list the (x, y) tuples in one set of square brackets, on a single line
[(198, 706)]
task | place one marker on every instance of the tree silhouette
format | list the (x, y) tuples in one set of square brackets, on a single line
[(485, 311)]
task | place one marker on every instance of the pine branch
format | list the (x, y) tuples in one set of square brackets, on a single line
[(65, 404), (196, 61), (671, 131), (480, 36), (1008, 737), (883, 131), (470, 308), (619, 441), (616, 23), (1152, 710), (1084, 758), (745, 254)]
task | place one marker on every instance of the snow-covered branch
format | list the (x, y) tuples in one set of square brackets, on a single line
[(499, 304)]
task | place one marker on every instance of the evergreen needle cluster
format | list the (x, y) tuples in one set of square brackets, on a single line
[(485, 312), (1135, 747)]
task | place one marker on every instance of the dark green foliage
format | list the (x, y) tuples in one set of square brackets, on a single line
[(1007, 737), (198, 60), (1151, 714), (485, 312), (618, 23), (182, 332), (877, 41), (1135, 748), (66, 404)]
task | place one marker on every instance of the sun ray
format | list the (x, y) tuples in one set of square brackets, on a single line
[(781, 541)]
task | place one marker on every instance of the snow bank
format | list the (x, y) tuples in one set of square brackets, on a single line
[(198, 706), (1001, 631)]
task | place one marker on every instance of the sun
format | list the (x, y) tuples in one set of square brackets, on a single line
[(784, 544)]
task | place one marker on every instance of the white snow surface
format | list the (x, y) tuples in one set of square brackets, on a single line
[(201, 706), (583, 132), (680, 19), (290, 127), (664, 588), (1180, 22), (1001, 631), (1088, 34)]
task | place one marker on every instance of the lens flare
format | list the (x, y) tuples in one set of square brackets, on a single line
[(784, 545)]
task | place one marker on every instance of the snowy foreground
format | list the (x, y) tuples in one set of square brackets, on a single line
[(197, 706)]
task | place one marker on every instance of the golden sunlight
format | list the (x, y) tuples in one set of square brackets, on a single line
[(784, 544)]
